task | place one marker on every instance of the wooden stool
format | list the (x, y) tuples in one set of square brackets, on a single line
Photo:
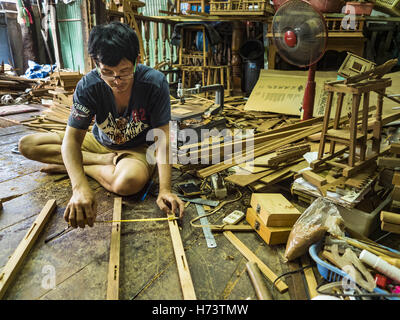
[(354, 135)]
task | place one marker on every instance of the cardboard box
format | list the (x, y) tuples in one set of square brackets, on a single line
[(283, 91), (274, 209), (271, 235)]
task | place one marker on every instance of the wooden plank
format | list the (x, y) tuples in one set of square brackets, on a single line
[(390, 227), (396, 178), (313, 178), (310, 277), (17, 258), (388, 162), (114, 261), (258, 152), (245, 179), (181, 262), (279, 174), (249, 255), (390, 217)]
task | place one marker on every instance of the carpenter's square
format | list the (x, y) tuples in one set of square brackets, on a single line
[(211, 203), (206, 230)]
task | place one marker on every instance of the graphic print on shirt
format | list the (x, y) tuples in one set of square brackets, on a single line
[(121, 130), (79, 112)]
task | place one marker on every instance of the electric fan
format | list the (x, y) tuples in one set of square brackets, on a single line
[(300, 34)]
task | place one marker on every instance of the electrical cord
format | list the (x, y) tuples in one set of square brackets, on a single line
[(214, 211), (289, 273)]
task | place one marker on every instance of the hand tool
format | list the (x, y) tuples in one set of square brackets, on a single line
[(211, 203), (206, 230)]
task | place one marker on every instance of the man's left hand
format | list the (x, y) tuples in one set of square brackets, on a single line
[(170, 202)]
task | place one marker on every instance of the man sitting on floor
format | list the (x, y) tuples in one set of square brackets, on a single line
[(128, 101)]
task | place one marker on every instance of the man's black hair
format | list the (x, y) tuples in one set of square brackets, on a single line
[(110, 43)]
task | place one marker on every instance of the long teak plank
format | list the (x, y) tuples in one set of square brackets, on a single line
[(249, 255), (113, 265), (16, 260), (181, 262)]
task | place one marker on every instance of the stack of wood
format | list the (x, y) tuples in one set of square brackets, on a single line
[(65, 80), (277, 155), (272, 216), (390, 221), (61, 87), (16, 86), (237, 117)]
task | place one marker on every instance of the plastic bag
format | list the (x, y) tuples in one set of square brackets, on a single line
[(320, 217)]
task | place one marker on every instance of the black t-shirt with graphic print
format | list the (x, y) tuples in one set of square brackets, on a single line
[(149, 107)]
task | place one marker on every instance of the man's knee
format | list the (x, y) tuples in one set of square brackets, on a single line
[(25, 145), (28, 144), (127, 186)]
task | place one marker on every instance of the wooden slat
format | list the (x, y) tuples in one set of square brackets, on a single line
[(113, 265), (16, 260), (310, 278), (249, 255), (181, 262)]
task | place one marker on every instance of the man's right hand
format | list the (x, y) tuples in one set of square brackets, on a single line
[(81, 208)]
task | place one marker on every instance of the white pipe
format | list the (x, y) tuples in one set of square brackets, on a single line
[(381, 265)]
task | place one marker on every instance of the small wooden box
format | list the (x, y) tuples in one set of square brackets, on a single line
[(271, 235), (274, 209)]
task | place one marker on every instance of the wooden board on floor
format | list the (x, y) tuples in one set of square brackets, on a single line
[(17, 258), (249, 255), (181, 261), (113, 264)]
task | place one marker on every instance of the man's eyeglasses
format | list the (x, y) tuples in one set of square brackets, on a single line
[(122, 77)]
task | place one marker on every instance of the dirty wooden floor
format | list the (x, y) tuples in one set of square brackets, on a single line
[(80, 257), (148, 269)]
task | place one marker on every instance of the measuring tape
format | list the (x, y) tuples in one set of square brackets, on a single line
[(138, 220)]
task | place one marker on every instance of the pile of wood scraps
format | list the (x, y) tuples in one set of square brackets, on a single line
[(15, 87), (60, 89)]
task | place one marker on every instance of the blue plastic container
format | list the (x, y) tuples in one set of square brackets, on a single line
[(331, 273)]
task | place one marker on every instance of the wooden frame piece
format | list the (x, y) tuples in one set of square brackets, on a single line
[(181, 262), (114, 261), (249, 255), (16, 260)]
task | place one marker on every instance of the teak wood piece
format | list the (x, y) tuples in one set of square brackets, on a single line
[(249, 255), (314, 178), (390, 217), (390, 227), (310, 278), (114, 261), (16, 260), (181, 262)]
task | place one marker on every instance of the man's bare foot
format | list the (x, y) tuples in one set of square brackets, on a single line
[(54, 168)]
